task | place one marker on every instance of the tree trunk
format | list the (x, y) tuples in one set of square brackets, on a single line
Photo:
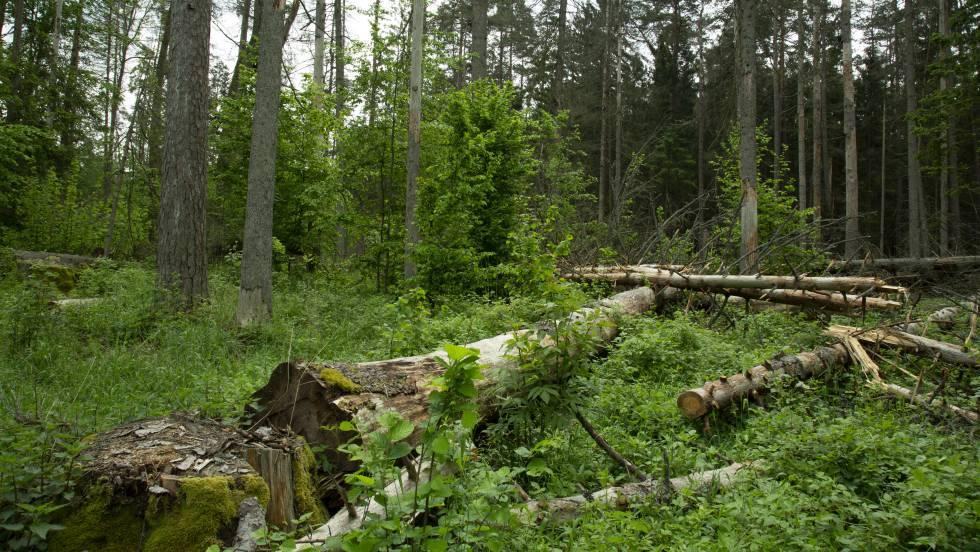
[(603, 100), (557, 94), (944, 141), (243, 42), (800, 115), (479, 56), (414, 135), (68, 133), (55, 61), (319, 30), (661, 277), (702, 233), (728, 391), (852, 232), (155, 138), (779, 48), (916, 238), (920, 399), (255, 292), (16, 52), (312, 399), (816, 179), (181, 247), (883, 169), (617, 187), (745, 13), (340, 54), (921, 264), (908, 342)]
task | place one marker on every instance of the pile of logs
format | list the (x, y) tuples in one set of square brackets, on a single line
[(850, 295)]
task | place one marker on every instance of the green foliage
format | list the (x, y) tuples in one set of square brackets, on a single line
[(786, 234)]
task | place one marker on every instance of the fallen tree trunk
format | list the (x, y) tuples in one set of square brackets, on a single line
[(907, 342), (830, 301), (62, 259), (621, 497), (74, 302), (908, 263), (943, 319), (904, 393), (312, 399), (642, 275), (726, 391)]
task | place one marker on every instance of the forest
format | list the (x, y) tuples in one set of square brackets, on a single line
[(483, 275)]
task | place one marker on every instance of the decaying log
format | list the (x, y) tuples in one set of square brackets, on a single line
[(903, 393), (907, 342), (74, 302), (343, 522), (312, 399), (943, 319), (643, 275), (910, 264), (621, 497), (146, 478), (61, 259), (726, 391), (829, 301), (251, 518)]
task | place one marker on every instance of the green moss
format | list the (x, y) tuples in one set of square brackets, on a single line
[(206, 505), (62, 277), (304, 465), (99, 525), (340, 381)]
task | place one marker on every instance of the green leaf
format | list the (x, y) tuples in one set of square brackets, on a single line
[(436, 545), (41, 529), (400, 430), (440, 445), (400, 449), (469, 419), (538, 467), (346, 426), (457, 353), (522, 452)]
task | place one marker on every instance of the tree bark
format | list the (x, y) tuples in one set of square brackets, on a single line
[(311, 399), (479, 55), (817, 174), (662, 277), (603, 101), (908, 342), (800, 115), (727, 391), (557, 93), (414, 135), (944, 161), (243, 42), (921, 264), (340, 54), (778, 65), (917, 240), (255, 292), (745, 13), (852, 232), (181, 245), (319, 24), (16, 52), (906, 394)]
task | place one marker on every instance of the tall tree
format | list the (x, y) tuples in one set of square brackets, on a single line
[(917, 238), (945, 142), (319, 30), (181, 246), (414, 135), (556, 87), (340, 55), (255, 292), (745, 11), (816, 181), (479, 57), (852, 230), (801, 111)]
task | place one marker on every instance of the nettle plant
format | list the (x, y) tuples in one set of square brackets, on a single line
[(457, 501)]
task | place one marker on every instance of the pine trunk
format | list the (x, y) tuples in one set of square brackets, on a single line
[(916, 238), (802, 202), (816, 176), (414, 135), (745, 12), (479, 57), (181, 246), (255, 291), (319, 24), (852, 232)]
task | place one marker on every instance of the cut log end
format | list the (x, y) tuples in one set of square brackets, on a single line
[(692, 404)]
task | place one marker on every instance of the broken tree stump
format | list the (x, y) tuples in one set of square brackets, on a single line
[(728, 390), (179, 482)]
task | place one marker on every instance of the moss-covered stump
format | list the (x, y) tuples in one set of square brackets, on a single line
[(176, 483)]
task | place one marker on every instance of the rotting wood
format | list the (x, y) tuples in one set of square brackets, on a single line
[(904, 393), (312, 399), (943, 319), (62, 259), (643, 275), (829, 301), (925, 346), (621, 497), (726, 391), (908, 263)]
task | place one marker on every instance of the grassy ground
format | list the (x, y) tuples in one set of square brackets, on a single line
[(845, 469)]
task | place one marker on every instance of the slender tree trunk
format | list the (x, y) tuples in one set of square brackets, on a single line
[(852, 232), (243, 42), (699, 106), (155, 137), (557, 87), (414, 135), (319, 23), (54, 75), (617, 189), (68, 133), (3, 16), (479, 57), (745, 11), (779, 62), (916, 237), (884, 171), (16, 52), (944, 143), (255, 292), (800, 114), (340, 63), (181, 247), (954, 189), (817, 174), (603, 101)]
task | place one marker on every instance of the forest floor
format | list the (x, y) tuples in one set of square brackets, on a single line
[(844, 468)]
